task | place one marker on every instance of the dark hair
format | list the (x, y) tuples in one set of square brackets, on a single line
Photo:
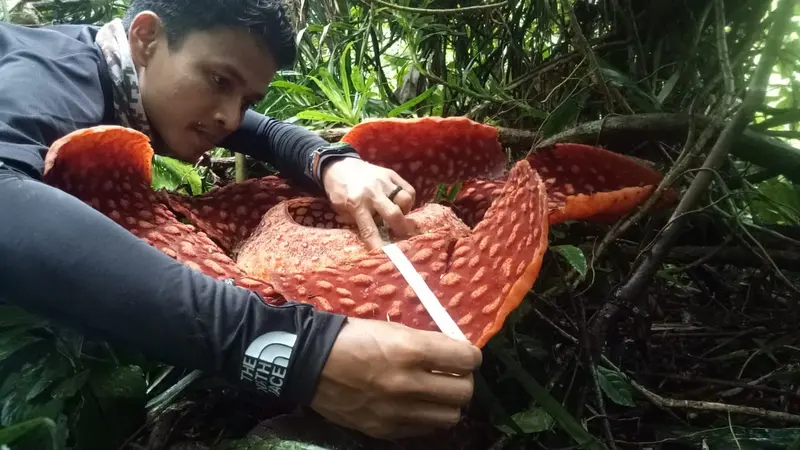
[(266, 19)]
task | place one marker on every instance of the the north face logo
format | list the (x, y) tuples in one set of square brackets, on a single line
[(266, 360)]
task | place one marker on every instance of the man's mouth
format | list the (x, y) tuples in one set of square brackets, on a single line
[(209, 138)]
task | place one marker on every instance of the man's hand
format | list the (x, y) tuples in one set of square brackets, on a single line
[(381, 379), (360, 191)]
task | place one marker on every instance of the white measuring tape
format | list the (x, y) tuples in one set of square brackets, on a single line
[(440, 315)]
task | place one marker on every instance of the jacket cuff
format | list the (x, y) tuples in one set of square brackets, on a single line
[(286, 363)]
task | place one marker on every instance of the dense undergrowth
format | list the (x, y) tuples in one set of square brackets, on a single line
[(636, 335)]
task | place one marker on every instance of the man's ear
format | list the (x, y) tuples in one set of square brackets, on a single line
[(144, 34)]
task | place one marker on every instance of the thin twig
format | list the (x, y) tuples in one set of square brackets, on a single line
[(663, 402), (748, 385), (714, 406), (722, 47)]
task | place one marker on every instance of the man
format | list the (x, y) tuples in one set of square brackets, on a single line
[(185, 72)]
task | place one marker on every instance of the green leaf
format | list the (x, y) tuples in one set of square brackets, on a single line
[(55, 368), (332, 91), (343, 64), (532, 346), (573, 255), (283, 84), (11, 316), (413, 102), (541, 396), (13, 341), (69, 344), (15, 409), (35, 376), (170, 173), (534, 420), (114, 407), (668, 86), (69, 387), (615, 386), (778, 203), (321, 116), (40, 430), (119, 382)]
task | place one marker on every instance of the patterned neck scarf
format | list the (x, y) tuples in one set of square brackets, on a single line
[(113, 42)]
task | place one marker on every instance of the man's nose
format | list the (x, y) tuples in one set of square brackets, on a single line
[(228, 116)]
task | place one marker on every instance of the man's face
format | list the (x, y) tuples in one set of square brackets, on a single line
[(196, 94)]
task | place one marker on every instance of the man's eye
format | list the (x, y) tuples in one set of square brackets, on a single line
[(218, 80)]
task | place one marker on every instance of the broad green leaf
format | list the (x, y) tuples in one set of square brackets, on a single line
[(532, 346), (39, 430), (534, 420), (11, 316), (70, 344), (117, 400), (778, 203), (119, 382), (15, 409), (615, 386), (573, 255), (170, 173), (56, 367), (69, 387), (35, 375), (15, 340)]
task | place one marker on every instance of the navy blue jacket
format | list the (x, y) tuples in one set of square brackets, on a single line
[(64, 260)]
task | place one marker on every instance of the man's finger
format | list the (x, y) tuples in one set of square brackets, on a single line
[(426, 415), (409, 194), (393, 216), (405, 201), (441, 388), (445, 354), (367, 228)]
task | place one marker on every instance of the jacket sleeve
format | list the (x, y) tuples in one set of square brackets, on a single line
[(288, 147), (66, 261)]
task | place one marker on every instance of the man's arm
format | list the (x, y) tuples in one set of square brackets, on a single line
[(66, 261), (288, 147)]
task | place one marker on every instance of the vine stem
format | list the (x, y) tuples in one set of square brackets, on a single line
[(638, 282)]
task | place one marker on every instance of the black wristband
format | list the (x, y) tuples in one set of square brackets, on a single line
[(326, 154)]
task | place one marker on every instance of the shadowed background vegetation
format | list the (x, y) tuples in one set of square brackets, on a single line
[(636, 335)]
